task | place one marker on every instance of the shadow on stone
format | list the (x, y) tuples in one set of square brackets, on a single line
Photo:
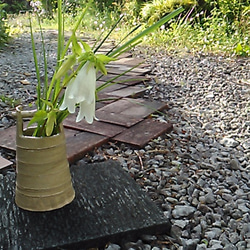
[(109, 206)]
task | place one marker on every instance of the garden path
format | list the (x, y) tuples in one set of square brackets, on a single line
[(123, 115)]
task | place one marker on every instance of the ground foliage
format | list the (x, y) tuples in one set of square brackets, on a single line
[(206, 25), (15, 6), (3, 26)]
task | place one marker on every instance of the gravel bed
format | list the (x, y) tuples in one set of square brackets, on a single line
[(199, 173)]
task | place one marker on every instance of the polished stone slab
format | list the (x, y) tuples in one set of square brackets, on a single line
[(109, 207)]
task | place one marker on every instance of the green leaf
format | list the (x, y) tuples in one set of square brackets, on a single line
[(100, 66), (38, 89), (147, 31), (61, 115), (51, 122), (39, 116), (205, 241), (239, 48), (48, 103), (75, 45), (105, 59), (86, 56), (86, 46), (66, 65)]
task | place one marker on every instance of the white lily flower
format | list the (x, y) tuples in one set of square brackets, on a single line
[(81, 90)]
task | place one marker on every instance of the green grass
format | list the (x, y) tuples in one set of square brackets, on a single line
[(190, 33), (212, 34), (9, 101), (212, 39)]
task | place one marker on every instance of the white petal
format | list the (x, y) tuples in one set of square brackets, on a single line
[(68, 103), (87, 111), (84, 85), (82, 90)]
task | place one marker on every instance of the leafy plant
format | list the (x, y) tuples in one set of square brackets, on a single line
[(231, 10), (204, 33), (9, 100), (3, 26), (75, 70), (242, 50), (156, 9), (15, 6)]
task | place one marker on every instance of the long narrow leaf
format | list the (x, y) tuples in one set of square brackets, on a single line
[(147, 31), (110, 82), (60, 37), (107, 36), (76, 27), (60, 43), (45, 86), (54, 81), (125, 37), (131, 46), (39, 103)]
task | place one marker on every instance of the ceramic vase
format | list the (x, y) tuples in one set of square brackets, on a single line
[(43, 179)]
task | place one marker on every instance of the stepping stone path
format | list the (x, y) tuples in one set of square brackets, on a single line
[(123, 115)]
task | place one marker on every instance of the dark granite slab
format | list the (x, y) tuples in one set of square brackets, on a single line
[(109, 206)]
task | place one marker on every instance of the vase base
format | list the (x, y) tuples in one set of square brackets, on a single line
[(44, 203)]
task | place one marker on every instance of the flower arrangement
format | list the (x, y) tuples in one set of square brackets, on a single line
[(76, 68)]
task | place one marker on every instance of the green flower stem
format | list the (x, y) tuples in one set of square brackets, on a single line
[(60, 27), (60, 43), (61, 52), (75, 29)]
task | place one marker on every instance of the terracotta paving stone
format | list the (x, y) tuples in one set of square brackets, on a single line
[(141, 133), (77, 142), (110, 88), (118, 71), (4, 162), (100, 104), (127, 111), (125, 79), (130, 91), (98, 127), (125, 55), (70, 132), (131, 61), (8, 138), (123, 68), (105, 94), (104, 98), (81, 143)]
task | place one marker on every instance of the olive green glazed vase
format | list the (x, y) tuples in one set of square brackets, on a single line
[(43, 179)]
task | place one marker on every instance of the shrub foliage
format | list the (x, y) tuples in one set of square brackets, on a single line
[(3, 28), (205, 24)]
